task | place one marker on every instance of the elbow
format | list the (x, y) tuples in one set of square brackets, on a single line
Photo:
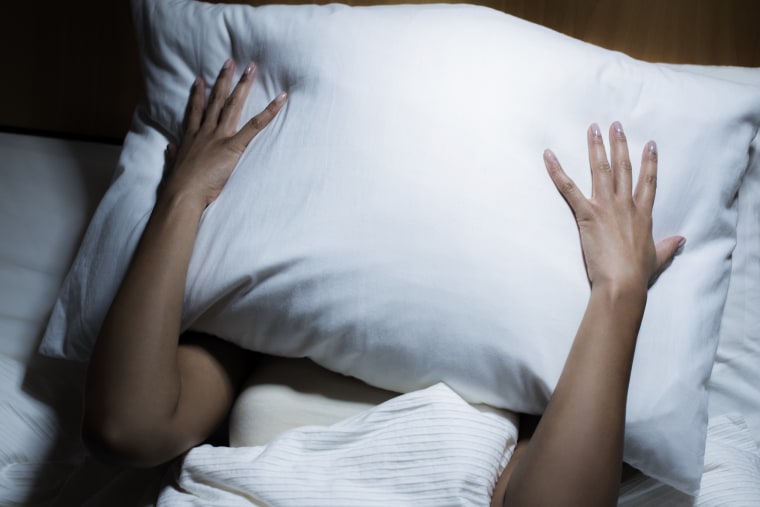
[(123, 432), (125, 442)]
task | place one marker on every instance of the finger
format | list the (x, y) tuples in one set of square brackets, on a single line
[(646, 187), (566, 186), (195, 104), (621, 161), (234, 105), (259, 122), (666, 250), (601, 171), (219, 94)]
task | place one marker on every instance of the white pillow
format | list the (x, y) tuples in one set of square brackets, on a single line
[(395, 222), (734, 384), (735, 379), (731, 477)]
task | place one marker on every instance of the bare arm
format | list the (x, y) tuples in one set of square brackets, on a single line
[(148, 398), (575, 455)]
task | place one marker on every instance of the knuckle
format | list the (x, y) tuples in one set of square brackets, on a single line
[(194, 114), (625, 166), (568, 187), (604, 167), (254, 123), (231, 102), (234, 147)]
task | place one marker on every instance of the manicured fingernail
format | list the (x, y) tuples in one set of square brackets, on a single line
[(681, 244), (652, 148), (595, 131), (281, 98), (549, 155), (227, 64), (248, 70), (196, 83), (618, 128)]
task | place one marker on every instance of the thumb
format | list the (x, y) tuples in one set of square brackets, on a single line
[(666, 250)]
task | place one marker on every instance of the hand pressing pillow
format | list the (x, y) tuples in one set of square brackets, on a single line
[(395, 221)]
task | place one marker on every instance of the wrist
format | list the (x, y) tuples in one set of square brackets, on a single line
[(179, 203), (619, 290), (181, 199)]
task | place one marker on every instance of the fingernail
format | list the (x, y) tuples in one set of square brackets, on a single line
[(227, 64), (196, 83), (281, 98), (248, 70), (549, 155), (617, 127), (681, 244), (595, 132), (651, 150)]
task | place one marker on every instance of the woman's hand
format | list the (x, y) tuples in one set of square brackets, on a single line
[(211, 145), (616, 225), (577, 446), (148, 397)]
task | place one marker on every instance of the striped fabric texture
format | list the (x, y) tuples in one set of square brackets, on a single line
[(425, 448), (731, 475)]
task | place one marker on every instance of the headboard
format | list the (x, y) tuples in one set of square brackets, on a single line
[(72, 66)]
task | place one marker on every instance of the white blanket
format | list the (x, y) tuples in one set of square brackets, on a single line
[(426, 448)]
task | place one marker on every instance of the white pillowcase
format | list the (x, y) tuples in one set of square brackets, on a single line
[(395, 221), (734, 384), (731, 477)]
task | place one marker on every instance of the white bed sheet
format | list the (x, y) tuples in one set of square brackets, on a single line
[(48, 190)]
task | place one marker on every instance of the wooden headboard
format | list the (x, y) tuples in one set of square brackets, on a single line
[(71, 67)]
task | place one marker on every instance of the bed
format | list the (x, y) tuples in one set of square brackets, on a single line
[(52, 186)]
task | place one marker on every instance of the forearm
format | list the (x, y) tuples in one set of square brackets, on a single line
[(575, 455), (149, 398), (134, 369)]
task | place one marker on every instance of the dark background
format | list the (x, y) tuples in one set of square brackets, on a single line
[(70, 67)]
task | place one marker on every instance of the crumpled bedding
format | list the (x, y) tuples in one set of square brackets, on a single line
[(731, 473), (426, 448), (42, 460)]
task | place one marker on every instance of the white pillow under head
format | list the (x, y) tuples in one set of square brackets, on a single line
[(395, 221), (734, 384)]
